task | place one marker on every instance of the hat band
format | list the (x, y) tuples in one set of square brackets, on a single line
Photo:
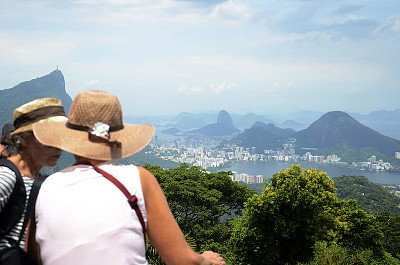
[(88, 129), (107, 139), (37, 115)]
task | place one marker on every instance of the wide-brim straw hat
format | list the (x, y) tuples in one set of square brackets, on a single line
[(95, 129), (43, 110)]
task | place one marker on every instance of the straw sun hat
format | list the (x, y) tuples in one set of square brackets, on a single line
[(43, 110), (95, 129)]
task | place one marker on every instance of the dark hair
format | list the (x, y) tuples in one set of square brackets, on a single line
[(7, 129), (13, 141)]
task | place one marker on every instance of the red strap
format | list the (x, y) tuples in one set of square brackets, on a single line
[(132, 199)]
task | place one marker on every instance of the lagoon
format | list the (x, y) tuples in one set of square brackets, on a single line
[(267, 169)]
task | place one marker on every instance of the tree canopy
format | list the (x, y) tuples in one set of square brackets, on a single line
[(201, 202), (295, 211)]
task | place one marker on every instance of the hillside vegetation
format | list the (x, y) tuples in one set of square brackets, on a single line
[(257, 137), (339, 131), (296, 219), (371, 197)]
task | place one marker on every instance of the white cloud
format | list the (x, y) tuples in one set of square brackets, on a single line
[(274, 90), (223, 87), (232, 10), (192, 89), (283, 48), (92, 82), (392, 26)]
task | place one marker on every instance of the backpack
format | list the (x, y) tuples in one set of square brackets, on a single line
[(11, 214)]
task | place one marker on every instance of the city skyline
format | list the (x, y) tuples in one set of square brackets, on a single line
[(165, 57)]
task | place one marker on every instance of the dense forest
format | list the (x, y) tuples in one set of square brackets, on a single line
[(297, 218)]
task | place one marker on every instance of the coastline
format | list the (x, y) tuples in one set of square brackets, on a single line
[(268, 168)]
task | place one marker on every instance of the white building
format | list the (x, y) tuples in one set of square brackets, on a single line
[(246, 178)]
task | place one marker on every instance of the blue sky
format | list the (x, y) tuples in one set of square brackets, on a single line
[(165, 57)]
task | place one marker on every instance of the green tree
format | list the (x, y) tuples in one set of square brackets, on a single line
[(391, 232), (297, 209), (283, 223), (371, 197), (202, 202), (355, 229), (334, 254)]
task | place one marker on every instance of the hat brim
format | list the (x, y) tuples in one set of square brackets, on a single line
[(133, 138), (29, 127)]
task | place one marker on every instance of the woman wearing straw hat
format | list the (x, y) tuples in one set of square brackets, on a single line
[(82, 217), (27, 154)]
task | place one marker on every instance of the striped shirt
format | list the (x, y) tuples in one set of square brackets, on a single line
[(7, 183)]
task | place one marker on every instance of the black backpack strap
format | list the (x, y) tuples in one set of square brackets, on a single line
[(31, 203), (14, 209)]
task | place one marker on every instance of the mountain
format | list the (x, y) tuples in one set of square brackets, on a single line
[(223, 127), (258, 137), (338, 130), (371, 197), (281, 133), (51, 85), (172, 131), (247, 120), (384, 121), (291, 124), (262, 136), (379, 115), (303, 117)]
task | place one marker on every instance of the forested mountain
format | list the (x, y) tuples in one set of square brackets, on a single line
[(257, 137), (370, 196), (281, 133), (51, 85), (338, 130)]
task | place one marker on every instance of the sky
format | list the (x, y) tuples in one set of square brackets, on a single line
[(170, 56)]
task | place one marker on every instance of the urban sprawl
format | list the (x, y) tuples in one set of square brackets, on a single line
[(207, 153)]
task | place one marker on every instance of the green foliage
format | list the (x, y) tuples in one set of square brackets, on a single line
[(199, 200), (338, 130), (51, 85), (334, 254), (355, 229), (258, 187), (258, 137), (387, 259), (155, 259), (296, 210), (371, 197), (391, 232), (286, 220)]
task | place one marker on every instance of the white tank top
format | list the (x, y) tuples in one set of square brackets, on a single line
[(83, 218)]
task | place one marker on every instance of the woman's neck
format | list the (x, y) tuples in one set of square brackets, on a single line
[(84, 160), (25, 166)]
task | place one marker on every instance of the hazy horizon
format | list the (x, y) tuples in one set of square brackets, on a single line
[(169, 56)]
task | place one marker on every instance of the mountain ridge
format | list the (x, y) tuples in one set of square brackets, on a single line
[(338, 130), (50, 85), (223, 127)]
